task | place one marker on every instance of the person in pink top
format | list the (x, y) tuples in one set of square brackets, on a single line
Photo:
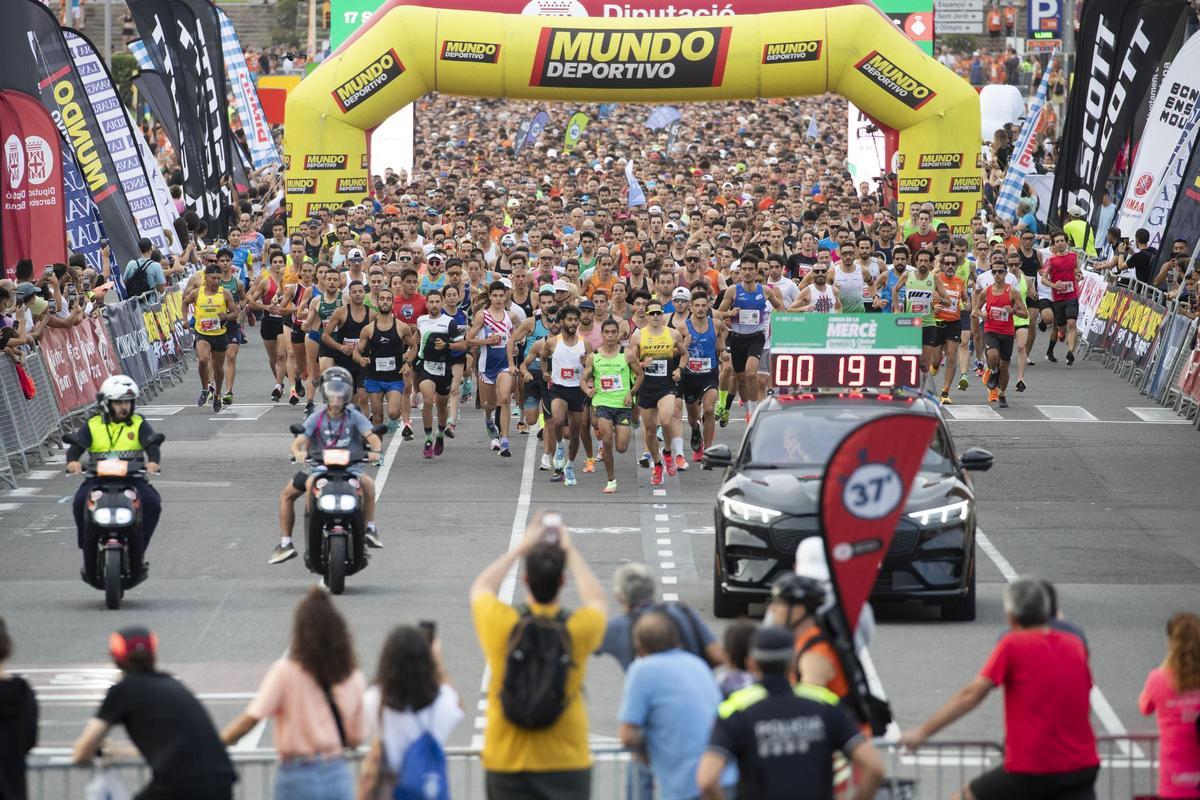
[(1172, 694), (314, 695)]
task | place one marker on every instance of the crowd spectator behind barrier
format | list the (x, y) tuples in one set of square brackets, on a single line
[(1172, 695), (18, 724)]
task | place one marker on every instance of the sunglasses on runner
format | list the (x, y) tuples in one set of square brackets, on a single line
[(996, 271), (654, 313), (692, 258)]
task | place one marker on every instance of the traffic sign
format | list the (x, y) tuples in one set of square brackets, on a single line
[(959, 16), (957, 27), (1044, 16), (942, 6)]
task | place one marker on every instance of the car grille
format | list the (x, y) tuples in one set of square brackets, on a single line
[(787, 533)]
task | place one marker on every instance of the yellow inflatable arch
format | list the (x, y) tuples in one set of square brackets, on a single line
[(853, 50)]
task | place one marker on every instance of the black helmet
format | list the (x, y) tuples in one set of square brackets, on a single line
[(798, 590), (337, 382)]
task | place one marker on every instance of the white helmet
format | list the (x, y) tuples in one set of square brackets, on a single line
[(116, 387)]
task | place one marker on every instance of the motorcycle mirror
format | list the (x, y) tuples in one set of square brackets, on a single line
[(296, 428), (380, 429)]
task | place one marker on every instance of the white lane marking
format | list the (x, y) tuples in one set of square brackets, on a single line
[(252, 739), (9, 506), (1100, 705), (661, 517), (665, 553), (660, 541), (666, 529), (1066, 413), (163, 411), (1156, 414), (1175, 421), (671, 579), (669, 597), (24, 491), (508, 587), (659, 492), (971, 412), (41, 474)]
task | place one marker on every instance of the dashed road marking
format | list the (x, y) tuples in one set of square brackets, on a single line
[(1066, 413)]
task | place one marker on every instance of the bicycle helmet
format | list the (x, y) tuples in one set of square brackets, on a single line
[(337, 383), (798, 590), (116, 387)]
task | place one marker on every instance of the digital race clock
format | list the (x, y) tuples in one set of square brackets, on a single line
[(868, 370)]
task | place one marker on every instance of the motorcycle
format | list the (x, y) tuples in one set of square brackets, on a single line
[(113, 520), (334, 525)]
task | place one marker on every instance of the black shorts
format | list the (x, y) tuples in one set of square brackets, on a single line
[(999, 341), (648, 396), (1044, 302), (695, 385), (297, 335), (947, 332), (745, 346), (573, 396), (218, 342), (535, 389), (271, 328), (1001, 785), (300, 482), (234, 331), (617, 416), (441, 383), (1065, 310), (929, 336)]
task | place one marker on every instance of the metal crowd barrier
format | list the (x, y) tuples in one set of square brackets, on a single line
[(28, 428)]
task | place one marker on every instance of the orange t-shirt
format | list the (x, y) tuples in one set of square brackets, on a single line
[(951, 310), (839, 685), (594, 283)]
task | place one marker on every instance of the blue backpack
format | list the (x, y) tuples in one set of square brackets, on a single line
[(422, 776)]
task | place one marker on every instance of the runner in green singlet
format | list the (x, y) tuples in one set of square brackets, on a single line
[(920, 286), (611, 377)]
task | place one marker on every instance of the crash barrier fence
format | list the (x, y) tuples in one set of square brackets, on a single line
[(1144, 335), (145, 337), (1128, 770)]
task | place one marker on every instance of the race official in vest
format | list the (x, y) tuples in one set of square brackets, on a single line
[(118, 431)]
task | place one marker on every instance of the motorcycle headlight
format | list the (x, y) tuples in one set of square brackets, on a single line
[(940, 515), (740, 511), (103, 516), (347, 502), (112, 516), (327, 502)]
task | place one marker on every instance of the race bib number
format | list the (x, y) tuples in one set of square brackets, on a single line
[(351, 342), (749, 316), (611, 383), (385, 364), (699, 364), (657, 368), (866, 292), (207, 325), (435, 368), (1000, 313), (567, 373)]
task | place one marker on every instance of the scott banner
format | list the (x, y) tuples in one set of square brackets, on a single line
[(404, 51), (119, 138), (78, 360), (1120, 44), (32, 219), (1168, 136), (34, 59)]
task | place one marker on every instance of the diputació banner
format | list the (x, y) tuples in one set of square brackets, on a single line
[(854, 50), (78, 359)]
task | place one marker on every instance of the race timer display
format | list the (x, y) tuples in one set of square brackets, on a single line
[(869, 370)]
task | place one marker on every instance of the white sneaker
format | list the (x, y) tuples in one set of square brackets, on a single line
[(495, 444), (545, 465)]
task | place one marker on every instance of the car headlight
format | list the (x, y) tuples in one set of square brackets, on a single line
[(941, 515), (112, 516), (738, 510)]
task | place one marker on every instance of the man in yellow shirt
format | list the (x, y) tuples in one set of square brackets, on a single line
[(553, 760)]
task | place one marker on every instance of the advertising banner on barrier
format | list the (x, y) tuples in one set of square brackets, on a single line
[(1189, 378), (1091, 292), (138, 358), (34, 209), (1097, 332), (166, 328), (78, 360), (1166, 348)]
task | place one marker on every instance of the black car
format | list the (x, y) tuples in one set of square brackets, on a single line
[(769, 498)]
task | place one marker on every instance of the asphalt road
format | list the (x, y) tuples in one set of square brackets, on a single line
[(1085, 492)]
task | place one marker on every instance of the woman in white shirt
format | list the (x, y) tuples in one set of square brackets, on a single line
[(416, 698)]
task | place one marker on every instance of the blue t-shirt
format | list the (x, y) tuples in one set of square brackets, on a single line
[(618, 635), (1031, 223), (344, 433), (673, 698), (155, 277)]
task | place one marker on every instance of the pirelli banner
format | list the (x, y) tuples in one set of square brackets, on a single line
[(854, 50)]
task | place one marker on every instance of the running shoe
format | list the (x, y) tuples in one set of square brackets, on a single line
[(569, 478), (439, 446), (298, 388), (406, 432), (589, 465), (216, 402), (1062, 335), (372, 537), (522, 428), (681, 464), (308, 408), (450, 431), (1020, 385), (723, 416), (644, 461), (427, 451), (963, 383), (993, 379), (557, 476), (656, 475), (282, 553), (697, 456), (1070, 358), (504, 451), (697, 440), (978, 368), (495, 444), (1003, 401), (202, 400), (293, 398), (946, 401), (545, 465), (227, 399), (610, 487), (492, 430), (516, 412), (1042, 326), (933, 369), (993, 395), (393, 426), (1029, 362), (987, 376), (560, 456), (658, 433), (1050, 357), (669, 463)]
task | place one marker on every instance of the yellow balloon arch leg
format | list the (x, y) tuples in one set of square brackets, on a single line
[(852, 50)]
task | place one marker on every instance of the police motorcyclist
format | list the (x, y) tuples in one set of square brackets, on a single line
[(116, 432), (335, 425)]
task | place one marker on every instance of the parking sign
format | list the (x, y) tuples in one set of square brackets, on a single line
[(1045, 16)]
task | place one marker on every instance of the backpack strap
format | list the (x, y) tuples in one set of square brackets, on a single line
[(337, 715), (820, 638)]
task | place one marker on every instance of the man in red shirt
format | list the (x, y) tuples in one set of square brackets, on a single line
[(408, 306), (1049, 748), (924, 236), (1061, 272)]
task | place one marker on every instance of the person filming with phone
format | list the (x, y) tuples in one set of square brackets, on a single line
[(536, 739)]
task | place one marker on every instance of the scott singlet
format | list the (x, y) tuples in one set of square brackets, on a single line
[(660, 348)]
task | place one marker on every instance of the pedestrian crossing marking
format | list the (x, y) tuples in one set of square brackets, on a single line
[(41, 474), (1066, 413), (159, 411), (9, 506), (1157, 414), (971, 412)]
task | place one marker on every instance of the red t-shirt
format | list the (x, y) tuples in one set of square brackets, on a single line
[(1062, 268), (1046, 683), (407, 309), (919, 241), (1179, 749)]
